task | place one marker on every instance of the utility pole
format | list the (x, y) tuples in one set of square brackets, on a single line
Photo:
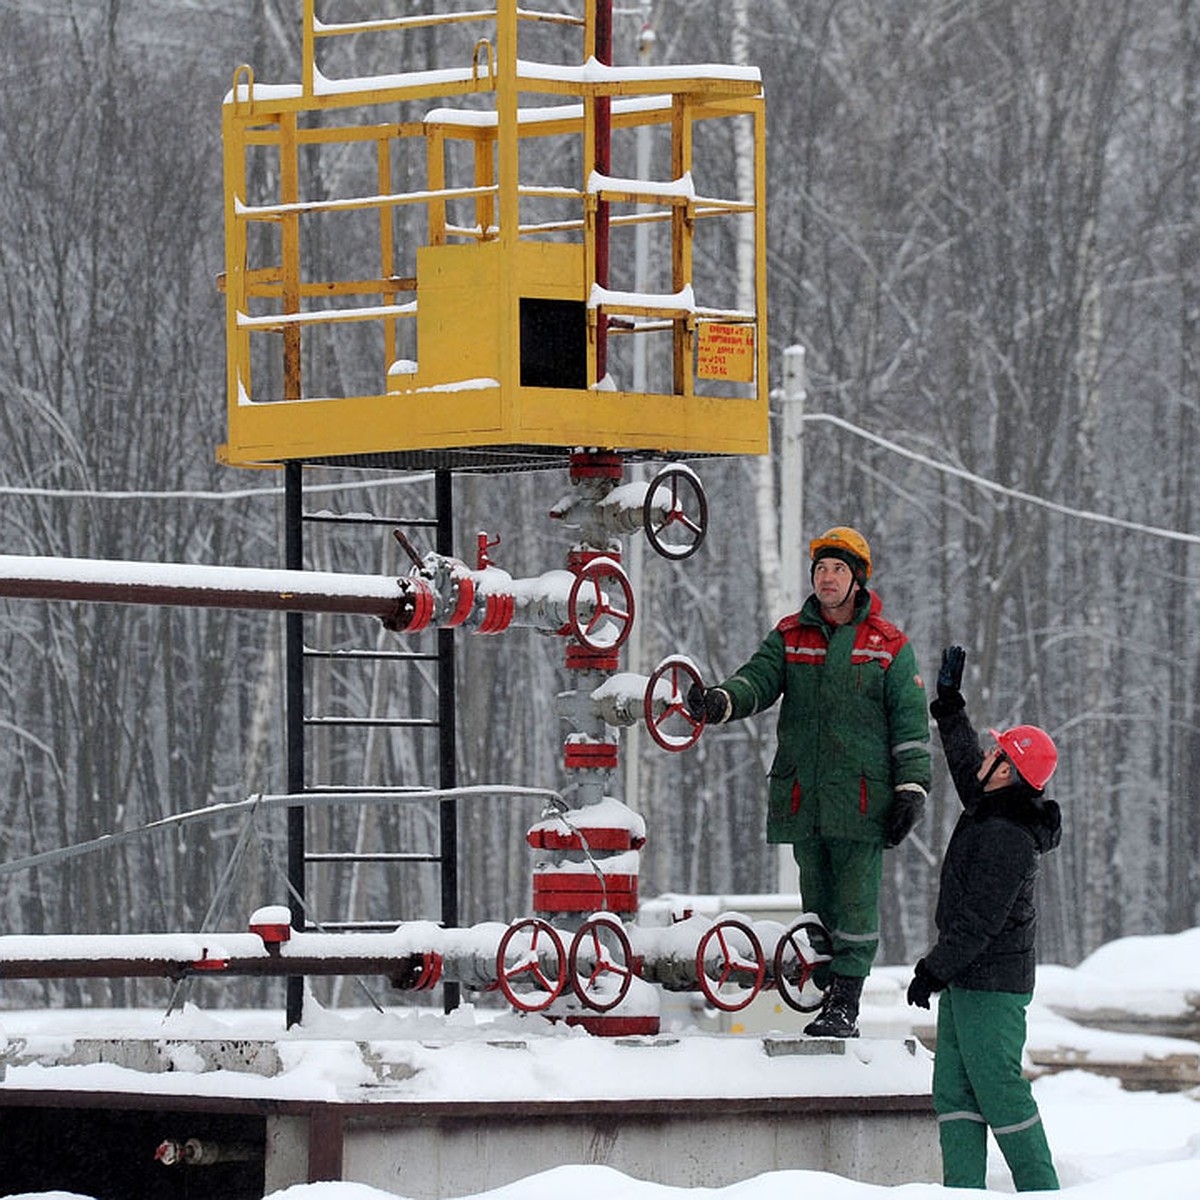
[(791, 520), (791, 474)]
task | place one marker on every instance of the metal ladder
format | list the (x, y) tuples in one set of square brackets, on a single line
[(302, 659)]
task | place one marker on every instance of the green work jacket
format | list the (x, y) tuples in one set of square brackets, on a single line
[(852, 722)]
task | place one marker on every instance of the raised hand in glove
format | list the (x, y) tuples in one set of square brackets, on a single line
[(949, 680), (907, 806), (950, 674), (924, 984), (714, 705)]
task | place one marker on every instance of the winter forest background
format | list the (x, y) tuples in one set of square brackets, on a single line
[(983, 228)]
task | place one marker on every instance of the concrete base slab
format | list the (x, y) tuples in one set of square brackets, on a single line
[(453, 1116), (432, 1151)]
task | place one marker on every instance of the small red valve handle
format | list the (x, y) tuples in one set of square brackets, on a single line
[(483, 544)]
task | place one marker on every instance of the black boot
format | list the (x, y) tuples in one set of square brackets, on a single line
[(838, 1017)]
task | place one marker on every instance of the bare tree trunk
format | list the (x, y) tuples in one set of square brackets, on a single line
[(1182, 675)]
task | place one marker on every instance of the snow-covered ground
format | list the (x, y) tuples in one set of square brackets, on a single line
[(1108, 1143)]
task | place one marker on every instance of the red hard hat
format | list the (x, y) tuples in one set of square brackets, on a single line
[(1031, 751)]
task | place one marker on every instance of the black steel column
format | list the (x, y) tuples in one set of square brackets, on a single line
[(293, 525), (447, 732)]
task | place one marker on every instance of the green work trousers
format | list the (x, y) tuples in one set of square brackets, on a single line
[(840, 881), (977, 1083)]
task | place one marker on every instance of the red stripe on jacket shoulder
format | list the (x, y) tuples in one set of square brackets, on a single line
[(877, 640), (803, 643)]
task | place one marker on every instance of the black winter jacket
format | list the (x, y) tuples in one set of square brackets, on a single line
[(986, 917)]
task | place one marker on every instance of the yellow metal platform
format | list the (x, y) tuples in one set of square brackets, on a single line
[(434, 267)]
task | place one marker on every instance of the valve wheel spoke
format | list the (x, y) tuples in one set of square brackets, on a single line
[(678, 517)]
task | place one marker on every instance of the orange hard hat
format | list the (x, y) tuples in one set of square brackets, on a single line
[(842, 542)]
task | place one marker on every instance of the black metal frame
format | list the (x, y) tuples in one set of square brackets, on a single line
[(295, 739)]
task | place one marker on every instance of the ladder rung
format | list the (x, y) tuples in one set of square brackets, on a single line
[(376, 722), (329, 518), (349, 789), (373, 655), (332, 856)]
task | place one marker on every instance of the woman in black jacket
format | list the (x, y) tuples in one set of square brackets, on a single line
[(984, 959)]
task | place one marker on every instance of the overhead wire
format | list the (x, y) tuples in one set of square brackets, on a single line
[(893, 447), (1001, 489)]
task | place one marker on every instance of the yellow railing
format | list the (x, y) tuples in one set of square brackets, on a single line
[(315, 29)]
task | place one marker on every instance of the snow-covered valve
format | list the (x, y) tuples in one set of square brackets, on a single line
[(531, 965), (272, 923), (797, 954), (670, 723), (600, 962), (730, 965), (675, 500), (597, 619)]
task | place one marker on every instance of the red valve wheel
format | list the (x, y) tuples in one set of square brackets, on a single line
[(609, 624), (795, 961), (739, 964), (685, 492), (601, 951), (675, 712), (519, 965)]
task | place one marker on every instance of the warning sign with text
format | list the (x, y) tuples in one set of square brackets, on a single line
[(725, 352)]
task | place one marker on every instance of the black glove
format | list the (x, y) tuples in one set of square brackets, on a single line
[(907, 806), (950, 675), (949, 682), (924, 984), (713, 705)]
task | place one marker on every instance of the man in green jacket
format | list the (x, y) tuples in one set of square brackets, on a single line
[(852, 766)]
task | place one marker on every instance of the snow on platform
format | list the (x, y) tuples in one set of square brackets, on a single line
[(414, 1054)]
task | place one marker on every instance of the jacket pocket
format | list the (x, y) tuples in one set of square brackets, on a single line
[(785, 799)]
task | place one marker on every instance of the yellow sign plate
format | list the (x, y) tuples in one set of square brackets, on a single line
[(725, 352)]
